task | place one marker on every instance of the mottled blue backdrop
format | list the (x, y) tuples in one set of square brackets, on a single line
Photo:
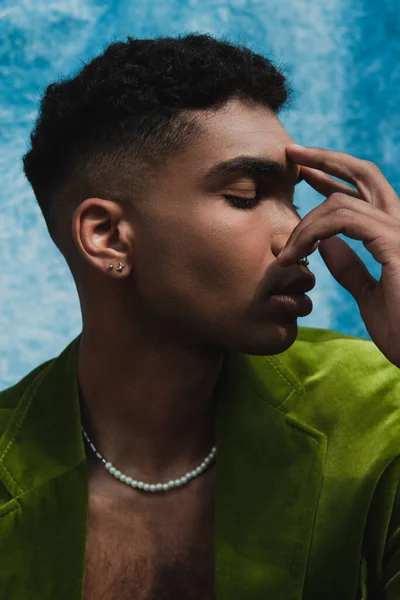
[(342, 57)]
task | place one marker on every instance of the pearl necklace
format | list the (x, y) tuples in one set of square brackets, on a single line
[(156, 487)]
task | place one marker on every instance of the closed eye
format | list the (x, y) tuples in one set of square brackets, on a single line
[(247, 203)]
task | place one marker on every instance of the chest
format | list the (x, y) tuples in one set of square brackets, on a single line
[(160, 555)]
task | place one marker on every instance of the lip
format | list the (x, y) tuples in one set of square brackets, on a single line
[(299, 285), (297, 304)]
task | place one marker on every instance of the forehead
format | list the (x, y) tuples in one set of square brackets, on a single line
[(239, 129), (241, 123)]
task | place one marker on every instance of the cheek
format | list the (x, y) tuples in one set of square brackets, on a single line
[(204, 258), (229, 255)]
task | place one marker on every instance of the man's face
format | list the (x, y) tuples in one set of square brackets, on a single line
[(203, 265)]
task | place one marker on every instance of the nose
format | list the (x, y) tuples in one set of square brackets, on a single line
[(283, 232)]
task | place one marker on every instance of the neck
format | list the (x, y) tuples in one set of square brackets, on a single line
[(148, 408)]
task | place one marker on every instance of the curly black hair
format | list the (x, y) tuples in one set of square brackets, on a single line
[(104, 131)]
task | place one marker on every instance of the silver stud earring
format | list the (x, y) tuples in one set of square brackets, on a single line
[(111, 267), (120, 267)]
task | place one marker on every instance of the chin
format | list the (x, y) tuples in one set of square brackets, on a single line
[(274, 339)]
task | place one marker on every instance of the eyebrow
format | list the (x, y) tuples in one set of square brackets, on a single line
[(250, 165)]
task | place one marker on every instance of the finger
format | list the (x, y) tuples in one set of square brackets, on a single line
[(358, 221), (364, 175), (347, 267), (325, 185)]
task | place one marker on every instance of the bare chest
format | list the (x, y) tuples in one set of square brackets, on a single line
[(162, 555)]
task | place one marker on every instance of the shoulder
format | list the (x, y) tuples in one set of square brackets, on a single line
[(10, 397), (324, 344), (343, 359), (349, 386), (334, 382), (324, 356)]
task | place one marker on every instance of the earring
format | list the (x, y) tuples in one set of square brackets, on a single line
[(119, 268)]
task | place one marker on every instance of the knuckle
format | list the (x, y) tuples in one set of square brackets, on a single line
[(338, 197), (345, 212), (371, 167)]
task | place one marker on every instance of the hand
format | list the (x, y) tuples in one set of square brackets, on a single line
[(371, 214)]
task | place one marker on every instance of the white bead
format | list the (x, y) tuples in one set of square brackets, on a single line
[(152, 487)]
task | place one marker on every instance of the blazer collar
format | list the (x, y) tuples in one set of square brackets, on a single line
[(43, 466), (43, 438), (269, 472)]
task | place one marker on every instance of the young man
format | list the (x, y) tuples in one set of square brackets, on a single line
[(193, 441)]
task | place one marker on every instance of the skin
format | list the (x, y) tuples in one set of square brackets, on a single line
[(374, 218), (196, 281)]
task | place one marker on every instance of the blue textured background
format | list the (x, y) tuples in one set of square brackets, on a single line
[(342, 57)]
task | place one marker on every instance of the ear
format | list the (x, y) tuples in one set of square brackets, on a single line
[(103, 235)]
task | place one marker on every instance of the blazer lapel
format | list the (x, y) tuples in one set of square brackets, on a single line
[(269, 473), (43, 467)]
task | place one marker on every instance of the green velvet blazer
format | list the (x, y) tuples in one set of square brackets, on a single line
[(307, 503)]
